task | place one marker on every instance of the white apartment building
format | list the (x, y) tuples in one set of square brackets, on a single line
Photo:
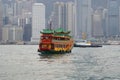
[(38, 21), (71, 18)]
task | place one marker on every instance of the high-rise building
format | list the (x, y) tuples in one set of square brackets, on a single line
[(71, 18), (119, 20), (97, 23), (1, 19), (21, 9), (38, 21), (105, 11), (113, 18), (12, 33), (27, 32), (59, 18), (83, 12), (63, 16), (21, 6)]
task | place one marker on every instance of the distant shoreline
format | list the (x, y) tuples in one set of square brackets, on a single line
[(19, 43)]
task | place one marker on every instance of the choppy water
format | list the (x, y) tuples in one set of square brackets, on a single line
[(22, 62)]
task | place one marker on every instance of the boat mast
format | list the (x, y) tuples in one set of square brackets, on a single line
[(49, 24)]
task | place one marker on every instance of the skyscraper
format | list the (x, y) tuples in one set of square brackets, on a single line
[(22, 9), (1, 20), (97, 23), (63, 16), (119, 19), (59, 15), (83, 8), (71, 18), (22, 5), (38, 21), (113, 18), (12, 33)]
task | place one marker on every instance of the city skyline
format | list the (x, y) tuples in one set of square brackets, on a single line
[(81, 17)]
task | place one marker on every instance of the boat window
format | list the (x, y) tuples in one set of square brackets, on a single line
[(45, 37)]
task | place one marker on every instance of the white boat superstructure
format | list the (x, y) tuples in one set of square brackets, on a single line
[(83, 42), (113, 42)]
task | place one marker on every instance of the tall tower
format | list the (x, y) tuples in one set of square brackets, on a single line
[(21, 5), (21, 9), (97, 23), (71, 18), (113, 18), (1, 19), (38, 21), (63, 16), (59, 15), (83, 11)]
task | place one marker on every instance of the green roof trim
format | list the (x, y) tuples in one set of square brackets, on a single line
[(58, 31), (61, 35), (47, 31)]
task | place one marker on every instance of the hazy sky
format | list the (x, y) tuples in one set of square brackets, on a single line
[(49, 4)]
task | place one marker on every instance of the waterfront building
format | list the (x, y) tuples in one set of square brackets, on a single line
[(104, 22), (97, 23), (38, 21), (83, 12), (12, 33), (10, 12), (21, 6), (71, 18), (24, 19), (63, 16), (27, 32), (59, 18), (119, 20), (113, 18)]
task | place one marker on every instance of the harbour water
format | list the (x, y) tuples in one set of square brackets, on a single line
[(22, 62)]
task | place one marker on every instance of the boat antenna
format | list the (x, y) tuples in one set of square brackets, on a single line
[(50, 25)]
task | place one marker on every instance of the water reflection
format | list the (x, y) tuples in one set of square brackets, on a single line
[(51, 56)]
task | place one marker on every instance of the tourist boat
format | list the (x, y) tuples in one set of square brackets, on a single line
[(55, 41), (85, 43)]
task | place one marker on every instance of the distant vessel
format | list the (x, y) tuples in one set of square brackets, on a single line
[(113, 42), (55, 41), (85, 43)]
